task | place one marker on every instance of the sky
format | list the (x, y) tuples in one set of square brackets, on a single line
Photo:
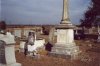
[(0, 10), (40, 11)]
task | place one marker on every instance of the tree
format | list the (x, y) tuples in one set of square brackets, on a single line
[(46, 30), (2, 25), (91, 15)]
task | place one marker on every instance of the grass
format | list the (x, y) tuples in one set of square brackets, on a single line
[(89, 56)]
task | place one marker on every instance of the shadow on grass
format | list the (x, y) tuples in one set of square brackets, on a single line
[(94, 50)]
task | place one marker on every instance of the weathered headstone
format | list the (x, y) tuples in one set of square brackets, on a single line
[(22, 46), (7, 50), (32, 44), (51, 35), (17, 33)]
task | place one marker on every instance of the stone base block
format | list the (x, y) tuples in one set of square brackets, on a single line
[(60, 56), (66, 51)]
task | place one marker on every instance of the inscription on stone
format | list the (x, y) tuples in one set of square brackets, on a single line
[(2, 53), (61, 36)]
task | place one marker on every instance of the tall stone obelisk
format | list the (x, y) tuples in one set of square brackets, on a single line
[(65, 13), (65, 36)]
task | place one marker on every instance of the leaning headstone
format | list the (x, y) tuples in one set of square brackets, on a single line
[(7, 51)]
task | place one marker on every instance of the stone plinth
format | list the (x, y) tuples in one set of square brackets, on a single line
[(65, 45), (69, 51)]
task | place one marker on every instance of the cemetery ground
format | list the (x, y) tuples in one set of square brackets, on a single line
[(88, 56)]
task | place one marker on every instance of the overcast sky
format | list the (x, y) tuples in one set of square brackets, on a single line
[(40, 11), (0, 9)]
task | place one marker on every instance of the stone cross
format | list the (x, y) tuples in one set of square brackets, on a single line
[(65, 45)]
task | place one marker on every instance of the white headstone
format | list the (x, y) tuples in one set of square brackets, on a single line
[(37, 44), (32, 44), (9, 48), (22, 46), (26, 32), (17, 33)]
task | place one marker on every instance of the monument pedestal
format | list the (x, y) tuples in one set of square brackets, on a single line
[(65, 45), (66, 51)]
